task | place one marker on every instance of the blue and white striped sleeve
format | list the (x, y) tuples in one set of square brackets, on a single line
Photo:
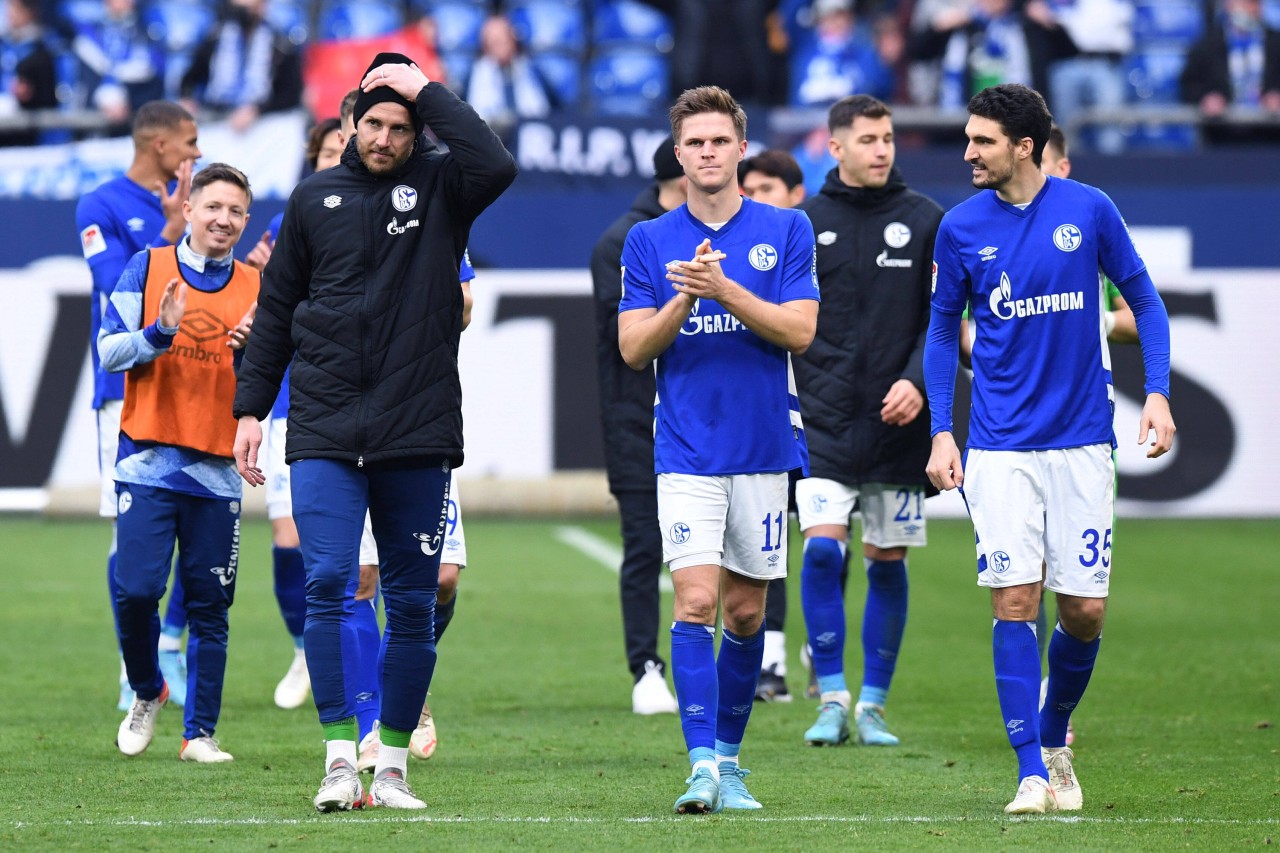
[(122, 341)]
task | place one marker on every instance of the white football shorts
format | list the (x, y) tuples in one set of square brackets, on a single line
[(1050, 506), (737, 521), (455, 542), (271, 460), (892, 515), (108, 446)]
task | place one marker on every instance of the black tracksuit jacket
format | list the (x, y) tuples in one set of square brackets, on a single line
[(871, 330), (362, 294)]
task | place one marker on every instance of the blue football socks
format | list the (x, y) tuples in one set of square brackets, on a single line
[(693, 669), (1017, 665), (291, 589), (823, 605), (1070, 666), (884, 620), (737, 671)]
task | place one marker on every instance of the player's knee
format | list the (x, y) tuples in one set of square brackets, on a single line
[(823, 555), (410, 613), (367, 586), (448, 583), (888, 575), (1082, 617), (697, 606), (744, 619), (326, 589)]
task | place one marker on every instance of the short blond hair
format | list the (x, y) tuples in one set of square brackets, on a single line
[(707, 99)]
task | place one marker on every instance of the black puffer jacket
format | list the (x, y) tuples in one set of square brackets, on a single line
[(362, 294), (875, 258), (626, 395)]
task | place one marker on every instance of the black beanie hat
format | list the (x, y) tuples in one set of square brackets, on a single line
[(665, 164), (382, 94)]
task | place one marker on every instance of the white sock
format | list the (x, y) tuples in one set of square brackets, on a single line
[(392, 758), (775, 652), (709, 766), (844, 697), (732, 759), (169, 643), (335, 749)]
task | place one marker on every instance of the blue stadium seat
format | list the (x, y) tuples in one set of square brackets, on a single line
[(628, 22), (628, 81), (563, 73), (457, 24), (291, 17), (180, 24), (1153, 74), (80, 13), (1167, 22), (355, 19), (549, 25)]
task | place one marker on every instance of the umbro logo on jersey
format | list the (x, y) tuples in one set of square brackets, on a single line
[(135, 223), (989, 253), (333, 201), (826, 238)]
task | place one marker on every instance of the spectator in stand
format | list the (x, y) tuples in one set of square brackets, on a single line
[(245, 67), (121, 65), (989, 42), (1102, 30), (505, 86), (27, 80), (726, 43), (1236, 63), (840, 56)]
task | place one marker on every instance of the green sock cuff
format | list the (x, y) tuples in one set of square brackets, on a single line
[(341, 730), (391, 737)]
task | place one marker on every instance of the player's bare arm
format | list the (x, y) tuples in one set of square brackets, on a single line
[(790, 325), (645, 333), (902, 404), (1157, 417), (245, 450), (945, 469)]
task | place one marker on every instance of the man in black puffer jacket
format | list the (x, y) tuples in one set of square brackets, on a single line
[(861, 387), (626, 410), (362, 295)]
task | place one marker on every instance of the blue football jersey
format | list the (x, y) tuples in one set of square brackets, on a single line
[(726, 400), (1041, 368), (116, 221)]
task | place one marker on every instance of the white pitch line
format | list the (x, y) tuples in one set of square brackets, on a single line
[(603, 552), (739, 818)]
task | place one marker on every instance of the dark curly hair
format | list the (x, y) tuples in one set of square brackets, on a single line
[(1019, 110)]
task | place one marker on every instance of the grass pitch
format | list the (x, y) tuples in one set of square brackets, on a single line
[(1177, 743)]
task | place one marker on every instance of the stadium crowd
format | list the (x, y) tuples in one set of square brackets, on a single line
[(517, 59)]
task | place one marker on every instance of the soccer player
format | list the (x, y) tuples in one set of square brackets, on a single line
[(141, 208), (773, 177), (176, 479), (361, 298), (626, 411), (861, 388), (1037, 475), (720, 291)]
